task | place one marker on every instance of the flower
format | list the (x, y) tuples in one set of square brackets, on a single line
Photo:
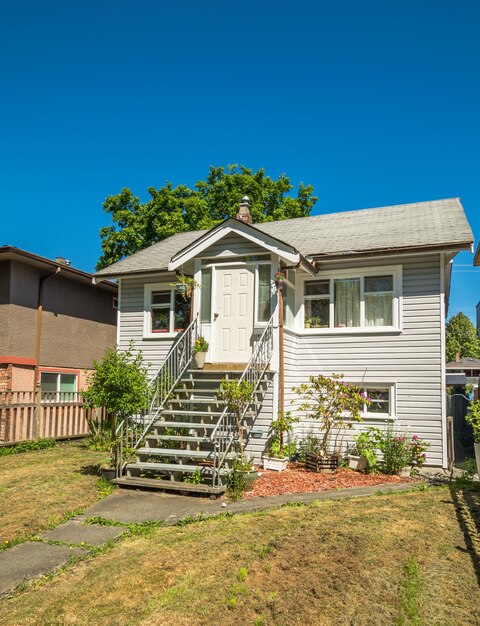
[(415, 437)]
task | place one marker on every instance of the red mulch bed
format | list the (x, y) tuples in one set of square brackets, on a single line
[(296, 479)]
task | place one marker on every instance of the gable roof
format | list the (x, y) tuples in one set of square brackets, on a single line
[(437, 224)]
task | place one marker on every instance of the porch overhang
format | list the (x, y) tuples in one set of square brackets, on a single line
[(287, 253)]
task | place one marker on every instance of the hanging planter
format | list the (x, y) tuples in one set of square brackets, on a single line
[(280, 280), (185, 286)]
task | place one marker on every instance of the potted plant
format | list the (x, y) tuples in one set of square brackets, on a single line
[(316, 322), (279, 452), (280, 278), (335, 404), (473, 418), (185, 285), (200, 349), (308, 322), (244, 474), (362, 455)]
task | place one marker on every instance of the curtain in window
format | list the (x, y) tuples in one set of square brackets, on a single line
[(347, 302), (378, 309)]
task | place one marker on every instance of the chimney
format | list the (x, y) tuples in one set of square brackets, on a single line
[(244, 211), (62, 260), (457, 357)]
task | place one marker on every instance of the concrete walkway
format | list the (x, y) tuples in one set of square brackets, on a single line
[(77, 537)]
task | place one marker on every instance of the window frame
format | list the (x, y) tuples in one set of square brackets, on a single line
[(362, 273), (149, 289), (391, 415), (56, 396)]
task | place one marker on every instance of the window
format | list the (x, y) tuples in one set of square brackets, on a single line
[(58, 386), (317, 304), (166, 311), (380, 400), (378, 301), (115, 302), (348, 302), (206, 295), (264, 293)]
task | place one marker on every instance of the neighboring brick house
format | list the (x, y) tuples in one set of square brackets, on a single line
[(53, 322)]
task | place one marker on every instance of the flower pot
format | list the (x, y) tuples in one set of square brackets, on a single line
[(280, 284), (317, 463), (199, 359), (477, 456), (249, 478), (275, 464), (358, 463), (108, 473), (307, 324), (404, 472)]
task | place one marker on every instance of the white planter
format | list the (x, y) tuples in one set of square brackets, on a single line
[(405, 472), (358, 463), (477, 456), (199, 359), (277, 465)]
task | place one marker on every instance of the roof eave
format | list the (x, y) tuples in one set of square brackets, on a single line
[(457, 246)]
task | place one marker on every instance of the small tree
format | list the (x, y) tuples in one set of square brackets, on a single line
[(118, 383), (236, 395), (461, 337), (333, 402), (473, 418)]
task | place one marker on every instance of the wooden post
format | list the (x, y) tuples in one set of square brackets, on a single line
[(38, 410), (281, 367)]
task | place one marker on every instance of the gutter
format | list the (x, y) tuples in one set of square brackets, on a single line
[(38, 336)]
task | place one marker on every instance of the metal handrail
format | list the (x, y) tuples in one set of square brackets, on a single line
[(225, 431), (132, 430)]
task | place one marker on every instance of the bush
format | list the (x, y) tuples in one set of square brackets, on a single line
[(309, 444), (28, 446), (473, 418)]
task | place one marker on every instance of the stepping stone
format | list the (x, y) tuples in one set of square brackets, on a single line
[(77, 533), (30, 560)]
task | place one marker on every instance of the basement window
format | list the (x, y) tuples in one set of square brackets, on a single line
[(58, 386)]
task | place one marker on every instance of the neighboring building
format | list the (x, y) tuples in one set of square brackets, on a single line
[(53, 322), (366, 293), (469, 367)]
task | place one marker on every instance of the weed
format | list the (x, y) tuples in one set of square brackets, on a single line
[(105, 487), (242, 574), (268, 567), (28, 446), (260, 621)]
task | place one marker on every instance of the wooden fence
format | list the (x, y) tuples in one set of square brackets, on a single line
[(26, 415)]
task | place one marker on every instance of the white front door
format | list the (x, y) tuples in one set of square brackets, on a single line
[(233, 314)]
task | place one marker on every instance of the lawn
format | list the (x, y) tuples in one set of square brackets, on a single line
[(404, 559), (38, 489)]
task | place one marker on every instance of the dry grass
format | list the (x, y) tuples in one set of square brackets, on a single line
[(396, 559), (39, 488)]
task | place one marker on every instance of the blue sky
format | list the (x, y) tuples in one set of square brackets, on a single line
[(373, 103)]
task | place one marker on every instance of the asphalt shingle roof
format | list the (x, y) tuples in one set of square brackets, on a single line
[(402, 226)]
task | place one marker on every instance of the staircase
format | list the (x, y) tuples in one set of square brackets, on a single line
[(185, 442)]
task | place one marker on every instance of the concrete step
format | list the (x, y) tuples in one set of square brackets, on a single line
[(189, 425), (167, 485), (183, 438), (180, 452), (171, 467)]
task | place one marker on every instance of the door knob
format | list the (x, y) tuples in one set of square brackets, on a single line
[(215, 315)]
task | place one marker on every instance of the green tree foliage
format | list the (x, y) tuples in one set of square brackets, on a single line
[(173, 210), (118, 383), (461, 336)]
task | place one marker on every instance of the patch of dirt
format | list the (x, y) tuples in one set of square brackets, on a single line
[(296, 479)]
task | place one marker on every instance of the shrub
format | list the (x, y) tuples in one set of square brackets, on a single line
[(334, 403), (280, 427), (28, 446), (473, 418), (309, 444)]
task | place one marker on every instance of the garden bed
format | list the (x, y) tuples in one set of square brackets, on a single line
[(296, 479)]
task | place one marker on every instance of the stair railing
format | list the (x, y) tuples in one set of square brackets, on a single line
[(225, 432), (132, 430)]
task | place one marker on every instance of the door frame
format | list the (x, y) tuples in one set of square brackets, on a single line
[(207, 328)]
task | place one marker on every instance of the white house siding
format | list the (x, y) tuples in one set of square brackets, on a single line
[(233, 245), (131, 313), (411, 359)]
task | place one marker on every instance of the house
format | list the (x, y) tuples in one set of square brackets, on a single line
[(365, 295), (468, 367), (53, 322)]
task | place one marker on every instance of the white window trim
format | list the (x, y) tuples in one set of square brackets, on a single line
[(361, 272), (147, 311), (381, 417)]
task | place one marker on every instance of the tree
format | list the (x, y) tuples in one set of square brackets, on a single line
[(118, 383), (173, 210), (461, 337)]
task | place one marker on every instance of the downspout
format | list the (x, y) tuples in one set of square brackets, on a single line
[(39, 321)]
